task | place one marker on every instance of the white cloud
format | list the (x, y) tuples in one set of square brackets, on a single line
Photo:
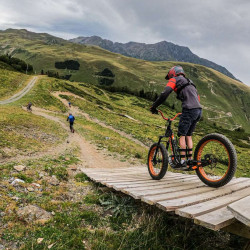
[(217, 30)]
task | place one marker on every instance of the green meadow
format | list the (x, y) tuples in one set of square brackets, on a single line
[(126, 113), (217, 91)]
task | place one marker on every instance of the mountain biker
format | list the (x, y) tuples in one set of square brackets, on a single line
[(71, 120), (191, 109), (69, 104), (29, 106)]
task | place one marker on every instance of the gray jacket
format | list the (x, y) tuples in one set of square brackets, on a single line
[(189, 95)]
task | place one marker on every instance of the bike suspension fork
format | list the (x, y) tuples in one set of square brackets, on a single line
[(157, 148)]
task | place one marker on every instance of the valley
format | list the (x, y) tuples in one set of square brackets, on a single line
[(46, 202)]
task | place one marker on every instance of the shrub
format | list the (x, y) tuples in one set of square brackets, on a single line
[(25, 178), (17, 63), (106, 72), (81, 177), (68, 64), (60, 172)]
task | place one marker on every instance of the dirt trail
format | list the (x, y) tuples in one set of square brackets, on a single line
[(89, 154), (52, 150), (23, 92), (76, 110)]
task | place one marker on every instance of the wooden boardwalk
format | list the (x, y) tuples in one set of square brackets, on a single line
[(224, 208)]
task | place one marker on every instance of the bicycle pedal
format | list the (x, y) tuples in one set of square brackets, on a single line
[(188, 169), (182, 167)]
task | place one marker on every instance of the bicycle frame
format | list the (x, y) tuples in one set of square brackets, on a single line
[(174, 146), (170, 135)]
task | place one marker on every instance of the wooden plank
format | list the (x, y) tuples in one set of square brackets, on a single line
[(129, 187), (120, 176), (135, 184), (118, 186), (123, 171), (163, 185), (147, 177), (166, 178), (152, 199), (211, 205), (118, 180), (215, 220), (161, 190), (135, 187), (241, 210), (127, 181), (171, 205), (105, 182), (105, 175), (117, 177), (154, 182), (114, 176), (106, 178)]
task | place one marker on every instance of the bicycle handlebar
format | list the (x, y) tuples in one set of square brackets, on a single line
[(167, 119)]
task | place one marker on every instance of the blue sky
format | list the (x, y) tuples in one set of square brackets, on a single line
[(217, 30)]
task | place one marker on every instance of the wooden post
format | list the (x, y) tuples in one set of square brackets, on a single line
[(239, 229)]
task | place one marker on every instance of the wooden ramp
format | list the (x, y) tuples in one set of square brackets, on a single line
[(241, 210), (183, 194)]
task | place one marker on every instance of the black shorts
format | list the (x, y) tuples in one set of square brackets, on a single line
[(188, 121)]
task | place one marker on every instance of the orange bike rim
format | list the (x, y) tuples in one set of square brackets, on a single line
[(201, 170), (150, 163)]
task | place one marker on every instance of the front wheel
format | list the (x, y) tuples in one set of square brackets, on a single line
[(157, 161), (217, 160)]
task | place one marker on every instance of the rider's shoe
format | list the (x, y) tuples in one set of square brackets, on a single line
[(182, 166)]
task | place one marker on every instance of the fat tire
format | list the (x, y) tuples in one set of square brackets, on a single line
[(232, 155), (164, 161)]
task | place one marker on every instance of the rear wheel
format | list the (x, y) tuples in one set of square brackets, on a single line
[(157, 162), (218, 160)]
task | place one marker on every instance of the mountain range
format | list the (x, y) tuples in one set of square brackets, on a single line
[(161, 51)]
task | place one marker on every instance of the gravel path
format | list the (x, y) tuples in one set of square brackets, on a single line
[(22, 93)]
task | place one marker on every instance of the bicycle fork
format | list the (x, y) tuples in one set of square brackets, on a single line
[(157, 148)]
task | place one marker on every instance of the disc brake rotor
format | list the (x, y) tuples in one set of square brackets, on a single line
[(211, 159)]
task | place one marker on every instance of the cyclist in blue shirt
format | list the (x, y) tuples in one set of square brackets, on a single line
[(71, 120)]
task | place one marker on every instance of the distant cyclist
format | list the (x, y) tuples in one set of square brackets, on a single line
[(29, 106), (71, 120), (191, 108), (70, 104)]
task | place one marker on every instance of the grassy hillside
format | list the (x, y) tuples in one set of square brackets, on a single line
[(226, 101), (11, 81), (24, 134), (84, 215), (112, 109)]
